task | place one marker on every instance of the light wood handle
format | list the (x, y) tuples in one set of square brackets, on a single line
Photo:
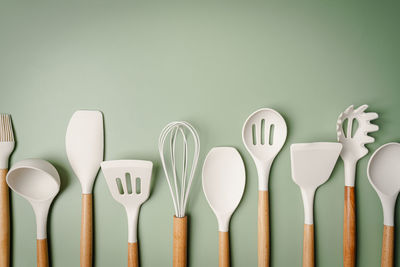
[(387, 246), (349, 227), (4, 221), (42, 256), (263, 229), (179, 257), (308, 246), (87, 230), (224, 257), (133, 255)]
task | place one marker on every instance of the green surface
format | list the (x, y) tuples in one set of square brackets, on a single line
[(146, 63)]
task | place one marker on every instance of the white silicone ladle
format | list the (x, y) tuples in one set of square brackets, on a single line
[(384, 176), (38, 182), (224, 179)]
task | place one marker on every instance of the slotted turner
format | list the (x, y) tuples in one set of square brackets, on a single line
[(264, 134), (129, 184)]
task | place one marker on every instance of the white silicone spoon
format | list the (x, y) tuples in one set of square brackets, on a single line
[(129, 184), (264, 134), (312, 165), (224, 179), (38, 182), (84, 143), (384, 176)]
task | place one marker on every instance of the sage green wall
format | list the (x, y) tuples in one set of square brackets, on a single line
[(146, 63)]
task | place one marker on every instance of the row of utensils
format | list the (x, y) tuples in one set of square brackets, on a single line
[(223, 179)]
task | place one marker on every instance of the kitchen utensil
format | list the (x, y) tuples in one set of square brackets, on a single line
[(179, 169), (264, 134), (384, 176), (38, 182), (224, 179), (129, 184), (353, 139), (84, 143), (312, 164), (7, 144)]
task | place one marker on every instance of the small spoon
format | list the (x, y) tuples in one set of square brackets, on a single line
[(38, 182), (384, 176), (224, 179)]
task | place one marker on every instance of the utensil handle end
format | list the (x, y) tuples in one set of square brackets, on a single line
[(387, 246), (224, 257), (308, 246), (263, 229), (42, 256), (87, 230), (349, 227), (4, 220), (133, 255), (179, 257)]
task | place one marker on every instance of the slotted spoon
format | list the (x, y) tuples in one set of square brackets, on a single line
[(264, 134), (129, 184)]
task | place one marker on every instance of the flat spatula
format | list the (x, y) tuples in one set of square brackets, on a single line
[(129, 184)]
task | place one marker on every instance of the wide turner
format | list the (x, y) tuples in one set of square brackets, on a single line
[(353, 126), (264, 134), (129, 184), (384, 176), (224, 179), (7, 145), (312, 164), (84, 143)]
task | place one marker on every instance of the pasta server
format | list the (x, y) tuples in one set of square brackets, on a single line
[(129, 184), (353, 139)]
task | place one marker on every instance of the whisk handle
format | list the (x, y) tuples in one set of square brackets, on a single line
[(263, 229), (179, 256), (133, 256)]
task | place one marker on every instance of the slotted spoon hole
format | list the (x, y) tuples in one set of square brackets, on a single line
[(253, 133), (128, 182), (138, 185), (119, 186), (271, 134), (263, 131)]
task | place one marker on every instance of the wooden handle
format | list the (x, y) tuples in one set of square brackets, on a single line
[(224, 260), (308, 246), (179, 257), (4, 221), (87, 230), (42, 256), (387, 246), (349, 228), (263, 229), (133, 256)]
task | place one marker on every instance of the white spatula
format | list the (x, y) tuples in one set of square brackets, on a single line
[(384, 176), (129, 184), (312, 164), (84, 143), (224, 179)]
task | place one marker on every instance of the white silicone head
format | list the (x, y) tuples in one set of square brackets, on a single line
[(264, 134), (84, 143), (384, 176), (38, 182), (224, 179)]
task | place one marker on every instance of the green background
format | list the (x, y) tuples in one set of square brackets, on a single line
[(212, 63)]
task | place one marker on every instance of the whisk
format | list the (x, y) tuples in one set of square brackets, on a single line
[(179, 178)]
